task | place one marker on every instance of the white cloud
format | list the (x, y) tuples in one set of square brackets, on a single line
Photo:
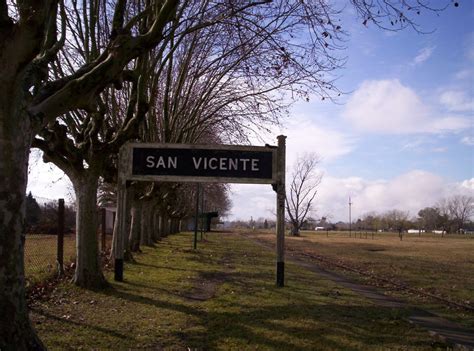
[(468, 140), (410, 191), (457, 100), (305, 136), (252, 200), (468, 184), (423, 55), (387, 106), (465, 74)]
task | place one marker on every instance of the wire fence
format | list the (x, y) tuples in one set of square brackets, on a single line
[(41, 256), (47, 254)]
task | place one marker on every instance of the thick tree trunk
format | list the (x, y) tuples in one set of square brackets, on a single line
[(16, 332), (88, 269)]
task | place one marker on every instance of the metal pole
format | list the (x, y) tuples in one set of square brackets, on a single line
[(196, 219), (280, 189), (60, 248)]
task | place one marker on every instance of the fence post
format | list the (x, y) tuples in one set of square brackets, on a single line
[(60, 241), (103, 224)]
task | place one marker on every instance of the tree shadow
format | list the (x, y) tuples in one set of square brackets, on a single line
[(299, 326), (111, 332)]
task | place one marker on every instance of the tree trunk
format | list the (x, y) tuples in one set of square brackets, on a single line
[(127, 256), (88, 269), (295, 230), (164, 225), (161, 225), (156, 224), (167, 226), (16, 331), (135, 227), (145, 238)]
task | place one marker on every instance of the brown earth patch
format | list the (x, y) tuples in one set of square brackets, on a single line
[(205, 286)]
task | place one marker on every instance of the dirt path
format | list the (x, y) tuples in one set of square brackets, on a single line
[(459, 337)]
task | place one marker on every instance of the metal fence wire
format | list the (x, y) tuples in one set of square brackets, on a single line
[(41, 255), (48, 249)]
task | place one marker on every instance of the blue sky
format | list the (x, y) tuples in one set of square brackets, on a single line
[(402, 138)]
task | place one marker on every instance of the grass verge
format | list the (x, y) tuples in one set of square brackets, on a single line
[(220, 297)]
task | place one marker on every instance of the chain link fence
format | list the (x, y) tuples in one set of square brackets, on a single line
[(41, 256), (50, 243)]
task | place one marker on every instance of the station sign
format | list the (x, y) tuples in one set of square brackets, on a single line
[(202, 163)]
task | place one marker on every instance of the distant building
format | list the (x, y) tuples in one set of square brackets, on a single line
[(415, 231)]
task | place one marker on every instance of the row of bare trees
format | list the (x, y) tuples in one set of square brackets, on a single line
[(78, 79), (450, 215)]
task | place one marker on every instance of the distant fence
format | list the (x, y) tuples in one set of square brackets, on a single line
[(46, 255)]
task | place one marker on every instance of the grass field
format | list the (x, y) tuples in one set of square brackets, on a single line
[(41, 255), (430, 263), (220, 297)]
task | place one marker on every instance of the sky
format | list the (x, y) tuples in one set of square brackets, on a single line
[(401, 138)]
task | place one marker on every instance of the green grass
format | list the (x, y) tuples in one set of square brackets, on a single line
[(220, 297), (435, 264)]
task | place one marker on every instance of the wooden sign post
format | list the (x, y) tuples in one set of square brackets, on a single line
[(281, 197), (201, 164)]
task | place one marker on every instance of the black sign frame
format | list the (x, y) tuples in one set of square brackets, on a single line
[(200, 163)]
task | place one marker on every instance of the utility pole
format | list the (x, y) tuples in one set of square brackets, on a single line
[(350, 219)]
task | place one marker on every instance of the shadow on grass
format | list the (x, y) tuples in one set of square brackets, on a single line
[(292, 326), (162, 267), (110, 332)]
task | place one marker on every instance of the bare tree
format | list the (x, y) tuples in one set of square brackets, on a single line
[(305, 180), (397, 220), (457, 211), (31, 98), (32, 33)]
